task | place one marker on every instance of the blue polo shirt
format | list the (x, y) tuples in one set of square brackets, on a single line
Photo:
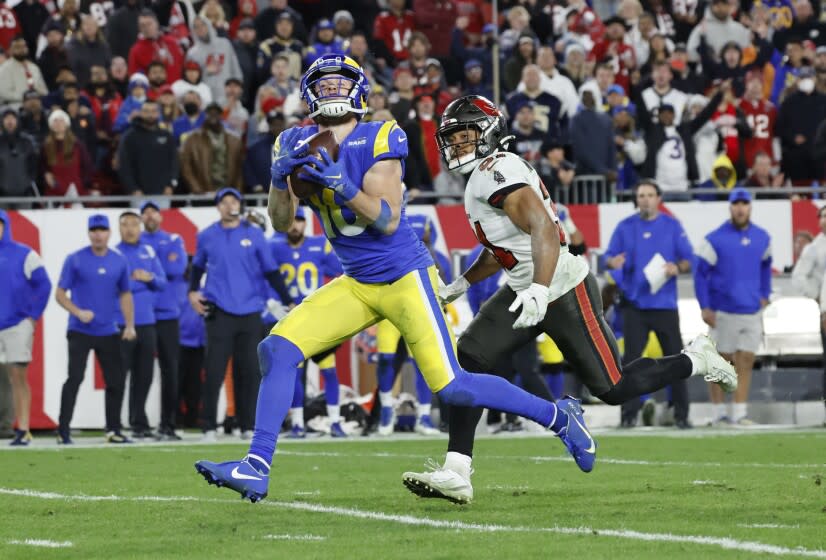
[(640, 240), (235, 261), (95, 283)]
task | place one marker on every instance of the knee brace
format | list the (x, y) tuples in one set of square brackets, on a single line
[(278, 348)]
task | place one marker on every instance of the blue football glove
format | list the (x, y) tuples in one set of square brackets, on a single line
[(331, 175), (288, 157)]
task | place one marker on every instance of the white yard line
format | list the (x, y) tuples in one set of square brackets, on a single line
[(41, 543), (410, 520), (767, 526), (294, 538)]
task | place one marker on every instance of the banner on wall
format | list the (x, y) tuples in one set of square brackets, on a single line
[(56, 233)]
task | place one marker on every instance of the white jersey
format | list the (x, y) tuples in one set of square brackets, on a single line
[(487, 187)]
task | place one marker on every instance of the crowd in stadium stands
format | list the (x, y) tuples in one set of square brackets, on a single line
[(709, 94)]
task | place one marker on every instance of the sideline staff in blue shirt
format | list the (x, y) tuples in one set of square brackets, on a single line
[(235, 256), (98, 279), (170, 250), (637, 240), (733, 283), (147, 281)]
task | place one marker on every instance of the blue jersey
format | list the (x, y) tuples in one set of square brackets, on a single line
[(367, 254), (96, 283), (170, 250), (141, 256), (304, 267)]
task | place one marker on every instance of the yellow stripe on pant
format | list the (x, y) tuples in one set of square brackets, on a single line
[(345, 307)]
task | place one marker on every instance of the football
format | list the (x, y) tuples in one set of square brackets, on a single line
[(325, 139)]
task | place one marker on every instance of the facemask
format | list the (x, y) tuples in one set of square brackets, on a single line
[(806, 85), (191, 109)]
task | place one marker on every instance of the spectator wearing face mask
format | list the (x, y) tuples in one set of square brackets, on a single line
[(797, 121), (138, 87), (192, 119)]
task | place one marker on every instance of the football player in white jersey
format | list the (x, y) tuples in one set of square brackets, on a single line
[(548, 290)]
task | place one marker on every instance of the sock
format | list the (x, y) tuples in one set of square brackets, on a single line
[(458, 463), (331, 385), (492, 391), (258, 463), (297, 416), (719, 410), (278, 359), (333, 413), (385, 373), (422, 410), (739, 411), (423, 393), (695, 362), (298, 392), (556, 384), (386, 398), (730, 410)]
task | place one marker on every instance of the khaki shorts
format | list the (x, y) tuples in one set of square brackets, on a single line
[(736, 331), (16, 343)]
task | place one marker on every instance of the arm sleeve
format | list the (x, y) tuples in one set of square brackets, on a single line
[(39, 284), (801, 272), (200, 258), (159, 280), (615, 245), (123, 278), (766, 274), (67, 274), (702, 272), (195, 275), (276, 281), (684, 250)]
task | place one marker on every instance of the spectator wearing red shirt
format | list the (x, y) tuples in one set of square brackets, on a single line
[(435, 18), (761, 115), (152, 45), (613, 49), (64, 161), (9, 26), (732, 126), (393, 28), (421, 134)]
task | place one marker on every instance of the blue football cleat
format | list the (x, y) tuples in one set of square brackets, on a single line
[(387, 421), (336, 430), (297, 432), (575, 436), (63, 437), (240, 476)]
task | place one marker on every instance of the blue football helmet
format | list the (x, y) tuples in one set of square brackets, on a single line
[(345, 88)]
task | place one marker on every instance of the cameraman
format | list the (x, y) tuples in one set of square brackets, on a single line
[(237, 256)]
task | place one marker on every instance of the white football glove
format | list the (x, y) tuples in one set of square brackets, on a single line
[(534, 302), (453, 291), (277, 309)]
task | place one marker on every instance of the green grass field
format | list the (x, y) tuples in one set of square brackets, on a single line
[(706, 495)]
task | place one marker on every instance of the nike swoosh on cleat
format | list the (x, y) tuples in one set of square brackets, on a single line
[(239, 476), (593, 448)]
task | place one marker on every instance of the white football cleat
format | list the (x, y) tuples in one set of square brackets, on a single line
[(210, 436), (424, 426), (439, 482), (711, 365)]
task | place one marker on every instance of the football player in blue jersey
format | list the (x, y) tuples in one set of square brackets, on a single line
[(304, 263), (388, 274)]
